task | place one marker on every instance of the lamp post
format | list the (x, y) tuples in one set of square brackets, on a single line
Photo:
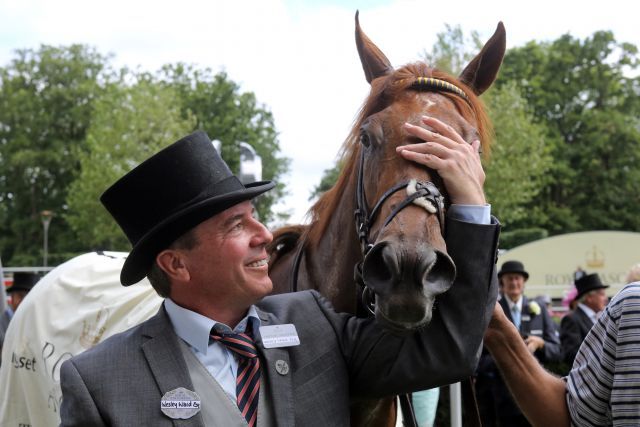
[(46, 220)]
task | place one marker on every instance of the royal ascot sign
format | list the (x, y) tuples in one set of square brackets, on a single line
[(552, 262)]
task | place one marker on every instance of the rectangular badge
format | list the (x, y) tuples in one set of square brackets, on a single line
[(279, 336)]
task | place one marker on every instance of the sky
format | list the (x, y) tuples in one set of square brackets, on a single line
[(297, 56)]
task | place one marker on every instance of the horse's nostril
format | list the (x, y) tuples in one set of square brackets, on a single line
[(380, 267), (440, 274)]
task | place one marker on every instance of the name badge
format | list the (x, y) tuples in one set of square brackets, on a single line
[(180, 403), (526, 318), (536, 332), (275, 336)]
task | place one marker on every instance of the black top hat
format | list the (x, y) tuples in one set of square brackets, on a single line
[(23, 281), (513, 267), (169, 194), (587, 283)]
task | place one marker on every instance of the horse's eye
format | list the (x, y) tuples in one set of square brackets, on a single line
[(364, 139)]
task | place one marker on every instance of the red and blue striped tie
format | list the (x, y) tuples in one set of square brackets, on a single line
[(248, 378)]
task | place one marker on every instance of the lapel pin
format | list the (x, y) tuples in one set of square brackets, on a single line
[(180, 403), (282, 367)]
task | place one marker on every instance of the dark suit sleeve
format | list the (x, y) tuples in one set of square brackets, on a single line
[(570, 337), (551, 352), (78, 408), (447, 350)]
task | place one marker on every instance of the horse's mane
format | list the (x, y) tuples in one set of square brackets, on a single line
[(284, 240), (383, 91)]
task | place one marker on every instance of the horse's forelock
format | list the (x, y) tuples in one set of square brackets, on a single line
[(384, 91)]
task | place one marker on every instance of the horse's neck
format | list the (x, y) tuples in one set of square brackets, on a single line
[(328, 265)]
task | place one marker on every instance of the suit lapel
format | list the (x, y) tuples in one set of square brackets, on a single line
[(280, 383), (584, 319), (162, 351), (525, 317), (505, 307)]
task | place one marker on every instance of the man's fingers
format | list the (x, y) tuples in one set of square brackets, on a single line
[(426, 159), (429, 136), (443, 129)]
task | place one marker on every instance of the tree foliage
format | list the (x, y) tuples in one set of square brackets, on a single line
[(46, 103), (520, 158), (49, 100), (580, 90), (231, 117), (130, 124), (329, 178)]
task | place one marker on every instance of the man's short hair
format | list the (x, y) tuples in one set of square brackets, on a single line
[(158, 278), (586, 294)]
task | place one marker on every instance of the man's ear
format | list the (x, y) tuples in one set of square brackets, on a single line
[(172, 263)]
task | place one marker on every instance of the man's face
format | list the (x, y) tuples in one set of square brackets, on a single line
[(596, 300), (512, 285), (229, 264), (16, 299)]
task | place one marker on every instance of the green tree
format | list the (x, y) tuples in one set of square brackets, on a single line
[(453, 51), (46, 102), (329, 178), (581, 90), (130, 123), (231, 117), (520, 159)]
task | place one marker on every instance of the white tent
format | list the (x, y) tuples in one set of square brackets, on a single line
[(74, 307)]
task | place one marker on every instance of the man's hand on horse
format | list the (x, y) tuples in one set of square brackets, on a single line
[(455, 160)]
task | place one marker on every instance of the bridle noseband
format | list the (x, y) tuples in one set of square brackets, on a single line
[(364, 218)]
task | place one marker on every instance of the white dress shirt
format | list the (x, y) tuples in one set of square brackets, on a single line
[(194, 329), (589, 312)]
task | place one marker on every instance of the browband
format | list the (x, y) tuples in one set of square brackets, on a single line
[(429, 83)]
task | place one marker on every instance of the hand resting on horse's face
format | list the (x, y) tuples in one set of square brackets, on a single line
[(456, 161)]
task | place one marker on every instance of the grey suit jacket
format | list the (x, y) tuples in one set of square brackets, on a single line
[(340, 357)]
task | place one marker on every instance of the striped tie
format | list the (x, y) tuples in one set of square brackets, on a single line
[(248, 378)]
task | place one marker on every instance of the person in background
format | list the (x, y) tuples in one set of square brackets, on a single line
[(545, 302), (602, 387), (634, 273), (23, 282), (539, 333), (575, 326), (569, 299)]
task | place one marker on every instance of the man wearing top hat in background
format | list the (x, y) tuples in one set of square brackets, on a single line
[(539, 333), (220, 352), (575, 326), (23, 282)]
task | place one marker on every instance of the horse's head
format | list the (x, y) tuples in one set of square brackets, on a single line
[(400, 205)]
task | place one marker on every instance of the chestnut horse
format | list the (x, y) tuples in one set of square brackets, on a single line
[(395, 248)]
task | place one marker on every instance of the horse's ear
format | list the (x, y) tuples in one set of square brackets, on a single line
[(374, 62), (483, 69)]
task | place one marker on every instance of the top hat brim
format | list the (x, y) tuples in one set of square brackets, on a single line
[(15, 288), (522, 272), (141, 257)]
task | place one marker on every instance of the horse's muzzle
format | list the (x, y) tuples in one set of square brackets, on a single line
[(406, 283)]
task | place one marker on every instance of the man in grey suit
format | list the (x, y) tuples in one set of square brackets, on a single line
[(222, 353)]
